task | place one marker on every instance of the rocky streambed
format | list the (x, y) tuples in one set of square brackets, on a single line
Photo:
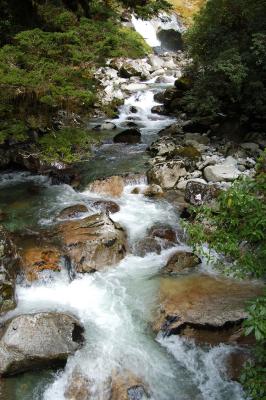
[(100, 296)]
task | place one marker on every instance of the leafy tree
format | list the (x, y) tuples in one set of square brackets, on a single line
[(228, 46)]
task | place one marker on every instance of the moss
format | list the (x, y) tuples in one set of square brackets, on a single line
[(66, 145)]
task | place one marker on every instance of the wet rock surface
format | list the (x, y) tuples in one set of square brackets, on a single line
[(10, 263), (37, 341), (129, 136), (37, 259), (73, 211), (93, 242), (112, 186), (179, 261), (203, 303)]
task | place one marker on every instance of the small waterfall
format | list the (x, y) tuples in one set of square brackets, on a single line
[(149, 29)]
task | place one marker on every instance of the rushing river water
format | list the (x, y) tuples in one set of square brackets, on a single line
[(115, 305)]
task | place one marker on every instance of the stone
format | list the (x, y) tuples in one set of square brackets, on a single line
[(73, 211), (112, 186), (39, 340), (37, 259), (106, 126), (10, 264), (156, 62), (153, 190), (200, 302), (166, 174), (127, 386), (159, 109), (197, 137), (162, 147), (78, 387), (197, 193), (181, 260), (107, 206), (195, 127), (129, 136), (165, 232), (226, 171), (93, 243), (252, 148), (146, 246)]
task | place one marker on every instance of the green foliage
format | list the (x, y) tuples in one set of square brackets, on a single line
[(228, 46), (253, 376), (66, 145), (236, 227)]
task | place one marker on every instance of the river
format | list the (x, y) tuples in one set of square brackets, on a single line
[(114, 305)]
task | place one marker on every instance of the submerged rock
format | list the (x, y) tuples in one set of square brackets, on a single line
[(10, 264), (73, 211), (93, 242), (112, 186), (107, 206), (129, 136), (128, 387), (181, 260), (153, 190), (37, 341), (37, 259), (146, 246), (166, 174)]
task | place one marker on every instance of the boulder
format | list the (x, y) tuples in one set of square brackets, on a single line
[(38, 340), (78, 387), (166, 174), (129, 136), (200, 306), (107, 206), (128, 387), (181, 260), (106, 126), (226, 171), (73, 211), (165, 232), (156, 62), (37, 259), (10, 264), (162, 147), (197, 193), (159, 109), (146, 246), (93, 242), (153, 190), (112, 186)]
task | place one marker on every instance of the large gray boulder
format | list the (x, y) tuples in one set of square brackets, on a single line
[(166, 174), (38, 340), (226, 171)]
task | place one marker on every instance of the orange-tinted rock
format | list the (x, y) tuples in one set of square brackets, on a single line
[(197, 305), (128, 387), (181, 260), (163, 232), (93, 242), (37, 259), (112, 186)]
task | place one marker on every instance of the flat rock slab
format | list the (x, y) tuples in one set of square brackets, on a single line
[(38, 340), (202, 301)]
